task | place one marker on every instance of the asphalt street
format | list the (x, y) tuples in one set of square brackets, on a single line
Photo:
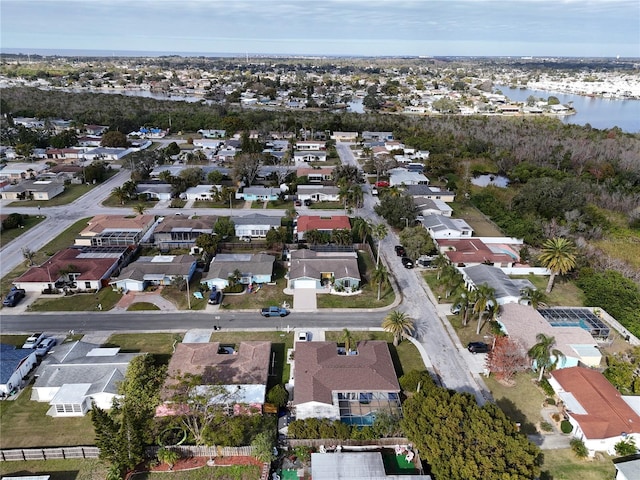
[(449, 360)]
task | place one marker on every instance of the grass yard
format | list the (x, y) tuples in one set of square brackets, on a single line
[(522, 402), (273, 205), (564, 465), (209, 204), (142, 306), (25, 424), (564, 293), (405, 356), (71, 193), (234, 472), (326, 206), (158, 344), (57, 469), (180, 298), (267, 295), (482, 226), (30, 221), (80, 302)]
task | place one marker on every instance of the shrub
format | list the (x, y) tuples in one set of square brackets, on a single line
[(410, 380), (550, 401), (566, 427), (556, 417), (278, 395), (546, 387), (546, 427), (579, 448), (626, 447)]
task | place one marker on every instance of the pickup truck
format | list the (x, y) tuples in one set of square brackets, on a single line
[(274, 312)]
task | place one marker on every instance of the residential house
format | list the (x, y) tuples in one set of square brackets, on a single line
[(524, 323), (208, 143), (344, 136), (377, 136), (429, 192), (327, 224), (155, 191), (77, 375), (426, 206), (318, 193), (348, 386), (253, 267), (300, 156), (440, 226), (115, 230), (316, 175), (68, 155), (78, 269), (202, 192), (42, 190), (159, 270), (627, 468), (467, 252), (598, 412), (96, 130), (401, 176), (89, 141), (106, 153), (242, 372), (320, 270), (255, 225), (507, 290), (15, 364), (259, 193), (311, 145), (213, 133), (181, 232), (355, 466), (16, 172)]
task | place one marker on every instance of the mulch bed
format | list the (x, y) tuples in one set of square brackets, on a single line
[(192, 463)]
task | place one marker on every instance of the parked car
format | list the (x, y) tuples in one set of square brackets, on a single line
[(303, 336), (407, 262), (307, 203), (274, 312), (33, 340), (14, 297), (215, 297), (456, 309), (400, 251), (44, 346), (478, 347), (298, 203)]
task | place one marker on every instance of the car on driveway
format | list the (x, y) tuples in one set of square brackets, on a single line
[(33, 340), (478, 347), (456, 309), (44, 346), (303, 336), (407, 262), (13, 297), (400, 251)]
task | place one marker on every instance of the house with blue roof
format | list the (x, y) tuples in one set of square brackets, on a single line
[(15, 364)]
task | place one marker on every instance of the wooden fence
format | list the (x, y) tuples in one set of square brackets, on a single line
[(56, 453), (330, 442), (202, 451)]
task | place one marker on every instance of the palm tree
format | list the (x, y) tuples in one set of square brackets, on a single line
[(559, 256), (139, 208), (534, 297), (357, 195), (379, 231), (315, 237), (120, 193), (361, 229), (451, 279), (486, 296), (440, 262), (341, 236), (466, 299), (28, 255), (544, 355), (347, 338), (398, 324), (380, 275)]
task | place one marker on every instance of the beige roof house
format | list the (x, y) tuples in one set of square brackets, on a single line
[(110, 230)]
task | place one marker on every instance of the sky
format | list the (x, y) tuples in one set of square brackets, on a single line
[(580, 28)]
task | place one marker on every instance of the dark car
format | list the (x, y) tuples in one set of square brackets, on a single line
[(215, 297), (44, 346), (400, 251), (14, 297), (478, 347), (407, 262), (307, 203), (297, 203)]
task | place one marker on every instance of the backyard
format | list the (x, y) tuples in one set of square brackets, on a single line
[(71, 193)]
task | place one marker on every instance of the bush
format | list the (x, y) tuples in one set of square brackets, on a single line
[(546, 427), (626, 447), (579, 448), (409, 381), (566, 427), (556, 417), (546, 387), (278, 395), (550, 401)]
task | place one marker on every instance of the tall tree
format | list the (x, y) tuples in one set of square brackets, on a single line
[(506, 358), (380, 277), (379, 232), (347, 338), (361, 229), (341, 236), (486, 296), (398, 324), (140, 208), (534, 297), (120, 194), (559, 256), (466, 299), (544, 355), (114, 139), (246, 166)]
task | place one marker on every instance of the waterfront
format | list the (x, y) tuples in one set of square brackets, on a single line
[(601, 113)]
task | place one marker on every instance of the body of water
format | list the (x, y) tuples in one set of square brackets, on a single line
[(598, 112), (486, 180)]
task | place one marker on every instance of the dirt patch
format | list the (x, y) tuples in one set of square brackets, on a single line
[(192, 463)]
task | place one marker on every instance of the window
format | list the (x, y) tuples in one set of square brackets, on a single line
[(87, 285)]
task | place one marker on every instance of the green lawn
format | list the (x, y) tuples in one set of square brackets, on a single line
[(482, 226), (57, 469), (273, 205), (267, 295), (30, 221), (80, 302), (208, 204), (112, 201), (235, 472), (564, 465), (155, 343), (142, 306), (564, 293), (327, 206), (25, 424), (71, 193)]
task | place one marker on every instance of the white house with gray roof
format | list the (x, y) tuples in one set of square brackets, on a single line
[(253, 268), (156, 270), (507, 290), (76, 375), (440, 226), (255, 225), (319, 270), (318, 193)]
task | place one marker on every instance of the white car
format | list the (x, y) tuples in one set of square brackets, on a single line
[(303, 336)]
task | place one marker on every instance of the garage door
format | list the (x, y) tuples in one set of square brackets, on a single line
[(304, 284)]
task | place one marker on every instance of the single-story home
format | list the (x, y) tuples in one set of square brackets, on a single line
[(377, 136), (627, 468), (115, 230), (15, 364), (181, 232), (106, 153), (316, 175), (327, 224), (212, 134), (427, 206), (242, 372), (259, 193), (15, 171), (318, 193), (433, 193), (255, 225), (319, 270), (507, 290), (598, 412), (401, 176), (467, 252), (156, 191), (33, 190), (253, 268), (440, 226), (300, 156), (157, 270), (311, 145), (76, 375), (525, 323), (78, 269), (201, 192), (65, 154), (355, 466), (348, 386)]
